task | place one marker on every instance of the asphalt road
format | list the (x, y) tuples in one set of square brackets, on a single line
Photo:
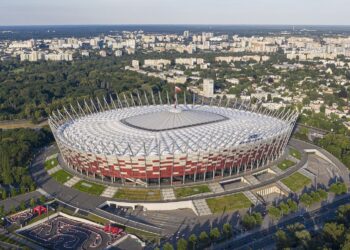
[(76, 198), (90, 203), (265, 237)]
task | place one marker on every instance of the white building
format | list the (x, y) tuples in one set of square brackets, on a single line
[(208, 87)]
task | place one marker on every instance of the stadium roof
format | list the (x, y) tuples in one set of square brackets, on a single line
[(172, 118), (158, 130)]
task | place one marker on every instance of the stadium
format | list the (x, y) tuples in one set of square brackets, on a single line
[(147, 141)]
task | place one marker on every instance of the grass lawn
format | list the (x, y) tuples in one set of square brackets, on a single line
[(61, 176), (188, 191), (285, 164), (138, 194), (228, 203), (296, 181), (295, 153), (51, 163), (89, 187)]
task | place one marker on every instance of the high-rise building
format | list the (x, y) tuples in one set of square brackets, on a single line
[(186, 33), (208, 87)]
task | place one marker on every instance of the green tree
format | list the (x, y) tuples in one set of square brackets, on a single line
[(3, 195), (284, 208), (303, 237), (338, 188), (22, 205), (227, 230), (182, 244), (42, 199), (282, 240), (306, 199), (274, 212), (193, 241), (215, 233), (168, 246), (203, 237), (333, 233), (32, 202), (293, 206)]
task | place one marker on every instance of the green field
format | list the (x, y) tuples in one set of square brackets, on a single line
[(228, 203), (296, 181), (51, 163), (89, 187), (285, 164), (138, 194), (61, 176), (188, 191), (295, 153)]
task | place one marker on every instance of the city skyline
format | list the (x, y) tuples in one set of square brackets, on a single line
[(223, 12)]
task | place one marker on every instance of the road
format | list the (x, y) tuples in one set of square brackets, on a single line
[(76, 198), (265, 237), (90, 203)]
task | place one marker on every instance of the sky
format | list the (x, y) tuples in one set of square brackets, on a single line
[(65, 12)]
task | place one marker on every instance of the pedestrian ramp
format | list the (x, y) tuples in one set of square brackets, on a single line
[(216, 188), (72, 181), (202, 207), (253, 199), (168, 194), (252, 180), (54, 170), (109, 192)]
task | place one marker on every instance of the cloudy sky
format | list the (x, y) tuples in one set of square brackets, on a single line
[(46, 12)]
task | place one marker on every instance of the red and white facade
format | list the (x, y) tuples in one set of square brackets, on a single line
[(127, 142)]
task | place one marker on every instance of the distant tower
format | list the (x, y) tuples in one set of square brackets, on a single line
[(186, 34), (208, 87)]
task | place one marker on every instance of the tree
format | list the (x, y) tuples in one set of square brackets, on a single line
[(3, 195), (293, 206), (203, 236), (303, 237), (227, 230), (215, 233), (284, 208), (32, 202), (42, 199), (182, 244), (193, 240), (22, 205), (274, 213), (338, 188), (306, 199), (248, 221), (168, 246), (333, 233), (282, 240)]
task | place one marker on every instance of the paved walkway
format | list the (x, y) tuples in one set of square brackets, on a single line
[(168, 194), (54, 170), (202, 207), (216, 188), (253, 199), (72, 181), (109, 192), (252, 180), (21, 240), (51, 157), (307, 173)]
